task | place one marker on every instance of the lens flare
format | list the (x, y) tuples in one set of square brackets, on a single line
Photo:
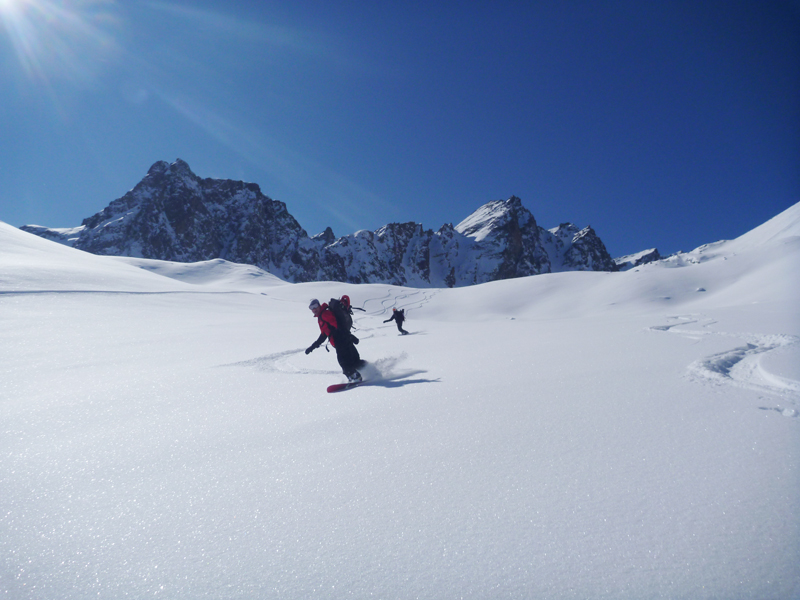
[(61, 40)]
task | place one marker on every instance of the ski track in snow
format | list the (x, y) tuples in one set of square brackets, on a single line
[(740, 366), (280, 362), (406, 301), (382, 371)]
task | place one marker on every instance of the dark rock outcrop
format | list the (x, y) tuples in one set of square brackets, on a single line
[(172, 214)]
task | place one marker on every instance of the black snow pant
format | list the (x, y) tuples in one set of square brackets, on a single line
[(347, 354)]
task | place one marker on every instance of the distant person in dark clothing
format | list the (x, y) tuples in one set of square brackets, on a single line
[(398, 316)]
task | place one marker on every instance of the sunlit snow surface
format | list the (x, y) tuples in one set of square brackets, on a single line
[(577, 435)]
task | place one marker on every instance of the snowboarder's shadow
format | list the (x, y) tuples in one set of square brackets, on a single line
[(401, 379)]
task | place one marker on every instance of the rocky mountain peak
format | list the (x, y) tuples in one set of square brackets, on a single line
[(326, 237), (587, 252), (643, 257), (495, 216), (565, 231), (179, 169), (172, 214), (158, 168)]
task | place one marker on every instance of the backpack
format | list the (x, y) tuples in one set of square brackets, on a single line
[(344, 319)]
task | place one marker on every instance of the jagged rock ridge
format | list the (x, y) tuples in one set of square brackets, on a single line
[(625, 263), (173, 214)]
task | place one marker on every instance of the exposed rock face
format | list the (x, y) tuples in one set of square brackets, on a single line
[(172, 214), (630, 261), (507, 242), (579, 249)]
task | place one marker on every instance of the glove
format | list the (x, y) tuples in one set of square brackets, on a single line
[(310, 349), (353, 339)]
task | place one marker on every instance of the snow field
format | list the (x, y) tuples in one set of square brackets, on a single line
[(567, 436)]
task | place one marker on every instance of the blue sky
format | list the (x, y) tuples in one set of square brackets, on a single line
[(659, 123)]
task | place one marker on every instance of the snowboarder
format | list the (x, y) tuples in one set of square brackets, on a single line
[(341, 339), (398, 316)]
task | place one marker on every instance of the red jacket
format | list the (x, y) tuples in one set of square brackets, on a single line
[(327, 324)]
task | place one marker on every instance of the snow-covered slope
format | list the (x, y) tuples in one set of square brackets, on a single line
[(31, 264), (570, 435), (210, 273)]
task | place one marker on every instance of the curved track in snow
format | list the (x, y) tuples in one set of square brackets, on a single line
[(743, 365)]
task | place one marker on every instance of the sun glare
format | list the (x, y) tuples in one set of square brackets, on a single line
[(8, 7), (56, 40)]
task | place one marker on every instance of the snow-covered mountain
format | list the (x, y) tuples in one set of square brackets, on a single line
[(637, 259), (174, 215), (614, 435)]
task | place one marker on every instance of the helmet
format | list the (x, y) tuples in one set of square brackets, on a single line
[(314, 304), (346, 301), (394, 310)]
